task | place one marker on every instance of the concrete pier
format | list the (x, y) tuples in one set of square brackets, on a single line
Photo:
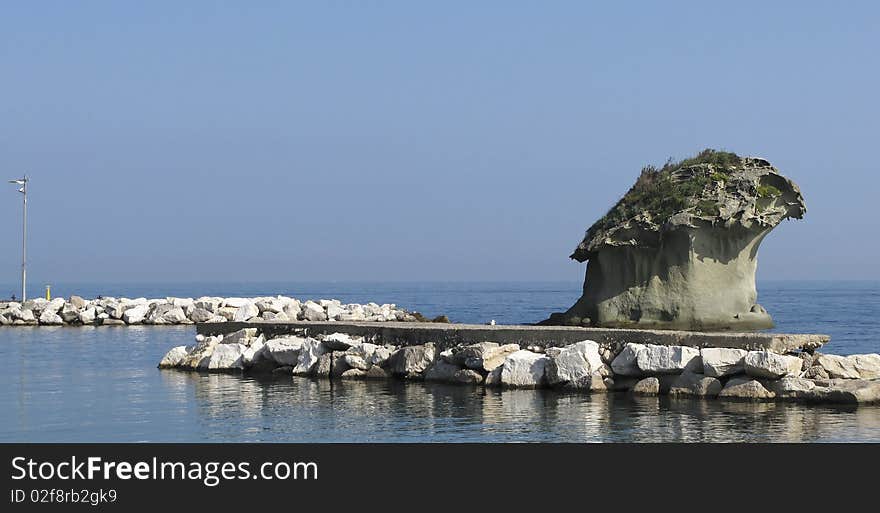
[(448, 335)]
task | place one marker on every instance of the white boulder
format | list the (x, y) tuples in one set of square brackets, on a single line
[(173, 358), (745, 388), (722, 361), (242, 336), (309, 353), (88, 315), (136, 314), (50, 318), (767, 364), (235, 302), (227, 357), (284, 350), (312, 311), (341, 341), (625, 363), (523, 369), (249, 354), (654, 359), (864, 366), (200, 314), (211, 304), (55, 305), (334, 310), (245, 312), (175, 316), (69, 313), (573, 365)]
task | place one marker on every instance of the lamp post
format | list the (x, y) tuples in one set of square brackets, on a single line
[(23, 190)]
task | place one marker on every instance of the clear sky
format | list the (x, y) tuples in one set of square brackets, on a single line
[(291, 141)]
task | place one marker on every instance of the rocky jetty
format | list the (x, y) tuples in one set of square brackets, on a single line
[(679, 250), (110, 311), (586, 366)]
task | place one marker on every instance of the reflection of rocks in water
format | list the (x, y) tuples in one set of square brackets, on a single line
[(224, 396), (294, 409)]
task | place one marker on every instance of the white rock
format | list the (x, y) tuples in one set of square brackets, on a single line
[(745, 388), (55, 305), (245, 312), (173, 358), (371, 353), (573, 365), (483, 355), (227, 312), (654, 359), (136, 314), (722, 361), (250, 352), (200, 314), (767, 364), (50, 318), (284, 350), (175, 316), (236, 302), (625, 363), (312, 311), (199, 356), (269, 304), (183, 302), (242, 336), (88, 315), (211, 304), (523, 369), (309, 354), (115, 310), (410, 361), (292, 309), (69, 313), (791, 387), (227, 356), (356, 362), (864, 366), (868, 365), (334, 311), (341, 341), (689, 383)]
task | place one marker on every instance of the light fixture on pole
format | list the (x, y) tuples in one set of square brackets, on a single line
[(23, 189)]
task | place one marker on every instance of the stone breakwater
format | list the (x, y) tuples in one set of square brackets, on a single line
[(587, 366), (110, 311)]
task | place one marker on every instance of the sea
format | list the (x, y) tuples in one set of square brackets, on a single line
[(101, 384)]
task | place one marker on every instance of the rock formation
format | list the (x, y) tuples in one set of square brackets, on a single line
[(111, 311), (586, 366), (679, 250)]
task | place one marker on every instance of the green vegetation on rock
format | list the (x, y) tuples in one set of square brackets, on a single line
[(660, 193), (768, 191)]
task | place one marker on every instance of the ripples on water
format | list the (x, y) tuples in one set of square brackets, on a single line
[(101, 384)]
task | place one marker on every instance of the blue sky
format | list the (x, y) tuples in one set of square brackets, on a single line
[(208, 141)]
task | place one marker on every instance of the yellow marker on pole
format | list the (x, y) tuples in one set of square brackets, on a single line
[(48, 293)]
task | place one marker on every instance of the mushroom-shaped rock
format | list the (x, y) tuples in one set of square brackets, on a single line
[(679, 250)]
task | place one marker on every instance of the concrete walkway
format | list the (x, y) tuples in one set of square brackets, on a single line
[(447, 335)]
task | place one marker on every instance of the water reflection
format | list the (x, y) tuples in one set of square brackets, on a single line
[(284, 408), (102, 385)]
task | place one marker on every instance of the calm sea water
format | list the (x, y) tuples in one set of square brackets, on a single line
[(101, 384)]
